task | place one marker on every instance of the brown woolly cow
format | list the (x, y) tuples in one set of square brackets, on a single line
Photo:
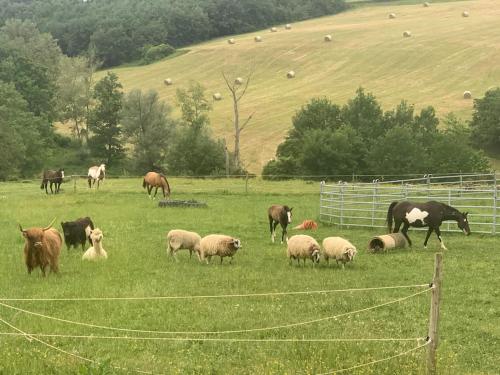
[(42, 248)]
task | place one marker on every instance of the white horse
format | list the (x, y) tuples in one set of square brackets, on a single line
[(96, 173)]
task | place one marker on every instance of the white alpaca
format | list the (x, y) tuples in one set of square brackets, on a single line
[(96, 251)]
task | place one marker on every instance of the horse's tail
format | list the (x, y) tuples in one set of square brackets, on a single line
[(390, 216), (162, 177), (43, 184), (144, 184)]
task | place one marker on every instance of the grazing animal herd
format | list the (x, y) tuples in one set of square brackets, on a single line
[(43, 245)]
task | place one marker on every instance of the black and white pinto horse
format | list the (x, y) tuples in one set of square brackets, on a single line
[(430, 214), (279, 215), (53, 178)]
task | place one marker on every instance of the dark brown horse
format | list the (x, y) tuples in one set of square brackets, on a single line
[(154, 179), (52, 177), (430, 214), (283, 216)]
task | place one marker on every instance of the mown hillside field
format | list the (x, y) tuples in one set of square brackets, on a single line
[(446, 55), (134, 230)]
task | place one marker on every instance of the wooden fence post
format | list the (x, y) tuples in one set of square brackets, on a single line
[(434, 314), (74, 183)]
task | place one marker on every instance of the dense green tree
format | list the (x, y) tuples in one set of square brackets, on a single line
[(149, 127), (22, 152), (194, 152), (485, 122), (104, 122)]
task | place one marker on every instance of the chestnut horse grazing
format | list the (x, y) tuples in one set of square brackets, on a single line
[(53, 178), (96, 173), (279, 215), (153, 179)]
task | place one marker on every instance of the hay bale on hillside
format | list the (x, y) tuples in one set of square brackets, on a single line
[(392, 15), (465, 14), (290, 74), (288, 26), (231, 41), (217, 96), (273, 29), (257, 39), (407, 34), (168, 81), (467, 95), (328, 38), (426, 4), (238, 81)]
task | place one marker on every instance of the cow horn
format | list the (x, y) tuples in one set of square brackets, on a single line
[(48, 226), (21, 228)]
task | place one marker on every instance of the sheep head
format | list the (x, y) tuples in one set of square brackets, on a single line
[(236, 243), (349, 253)]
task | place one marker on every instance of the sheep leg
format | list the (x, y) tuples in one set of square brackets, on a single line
[(231, 260), (429, 232)]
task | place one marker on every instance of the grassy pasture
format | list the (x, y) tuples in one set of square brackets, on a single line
[(134, 229), (446, 55)]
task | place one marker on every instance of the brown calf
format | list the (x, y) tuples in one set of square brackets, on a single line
[(42, 248)]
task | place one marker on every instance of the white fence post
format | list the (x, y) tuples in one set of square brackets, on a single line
[(341, 213), (495, 200)]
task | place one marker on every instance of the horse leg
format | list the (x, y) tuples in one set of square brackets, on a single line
[(271, 229), (405, 233), (156, 191), (275, 224), (438, 233), (46, 191), (284, 234), (429, 231), (150, 189), (163, 190), (89, 180), (397, 225), (51, 191)]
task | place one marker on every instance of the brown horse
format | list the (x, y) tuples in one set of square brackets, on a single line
[(52, 178), (153, 179), (279, 215)]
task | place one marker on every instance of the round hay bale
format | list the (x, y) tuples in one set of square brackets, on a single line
[(273, 29), (328, 38), (168, 82), (257, 39), (290, 74), (426, 4), (238, 81), (387, 241), (407, 34), (392, 15), (217, 96), (467, 95), (288, 26), (465, 14), (231, 41)]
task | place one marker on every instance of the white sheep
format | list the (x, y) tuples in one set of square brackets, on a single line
[(178, 239), (218, 245), (339, 249), (304, 247), (96, 251)]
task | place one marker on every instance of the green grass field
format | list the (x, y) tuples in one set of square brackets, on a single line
[(134, 237), (446, 55)]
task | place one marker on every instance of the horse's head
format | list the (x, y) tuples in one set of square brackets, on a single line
[(289, 213), (102, 167), (61, 173), (463, 223)]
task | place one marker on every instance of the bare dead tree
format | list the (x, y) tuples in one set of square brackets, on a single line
[(237, 92)]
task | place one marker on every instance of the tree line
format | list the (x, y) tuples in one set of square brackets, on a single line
[(128, 30), (53, 113)]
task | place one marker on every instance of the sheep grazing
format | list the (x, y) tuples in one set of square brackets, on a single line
[(168, 82), (407, 34), (288, 26), (328, 38), (217, 96), (218, 245), (467, 95), (338, 248), (392, 15), (178, 239), (238, 81), (96, 251), (290, 74), (303, 247), (42, 248), (257, 39), (273, 29), (426, 4), (465, 14), (231, 41), (76, 232)]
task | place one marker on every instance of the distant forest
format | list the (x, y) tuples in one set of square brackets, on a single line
[(121, 30)]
